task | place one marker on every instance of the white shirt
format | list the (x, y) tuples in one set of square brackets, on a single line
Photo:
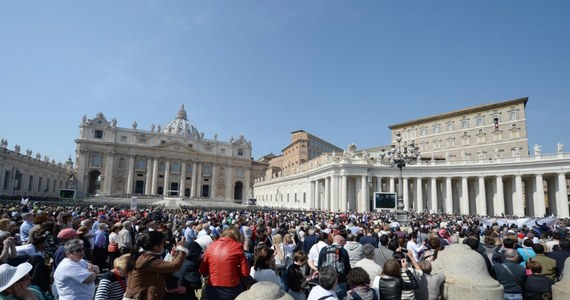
[(265, 275), (68, 279), (28, 249), (315, 251), (318, 292)]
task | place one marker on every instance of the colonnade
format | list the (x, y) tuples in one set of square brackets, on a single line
[(528, 195)]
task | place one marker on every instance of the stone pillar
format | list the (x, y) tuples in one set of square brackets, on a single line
[(518, 205), (539, 205), (419, 195), (499, 197), (193, 187), (335, 193), (108, 174), (199, 179), (228, 180), (561, 197), (482, 197), (379, 184), (182, 179), (312, 191), (328, 194), (363, 206), (433, 194), (130, 174), (166, 186), (155, 176), (448, 196), (471, 281), (392, 185), (406, 193), (148, 181), (247, 179), (464, 200)]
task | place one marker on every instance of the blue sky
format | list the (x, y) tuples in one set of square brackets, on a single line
[(341, 70)]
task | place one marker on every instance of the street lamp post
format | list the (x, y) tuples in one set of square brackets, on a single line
[(399, 156)]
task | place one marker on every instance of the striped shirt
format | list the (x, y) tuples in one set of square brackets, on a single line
[(110, 287)]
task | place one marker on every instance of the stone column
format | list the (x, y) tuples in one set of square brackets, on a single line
[(518, 205), (392, 185), (247, 180), (464, 200), (148, 181), (155, 175), (312, 202), (448, 196), (131, 174), (182, 179), (328, 194), (108, 174), (499, 197), (434, 194), (199, 179), (539, 206), (561, 196), (229, 183), (379, 184), (166, 185), (482, 197), (335, 193), (420, 195), (193, 187), (406, 194), (364, 195), (214, 180), (82, 183)]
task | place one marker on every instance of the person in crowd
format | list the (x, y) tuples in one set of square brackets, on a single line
[(289, 247), (382, 254), (101, 219), (369, 238), (264, 266), (416, 248), (526, 252), (146, 271), (100, 248), (510, 275), (326, 289), (537, 286), (296, 280), (74, 277), (279, 260), (15, 283), (549, 268), (434, 247), (34, 247), (248, 244), (561, 255), (8, 246), (125, 238), (430, 285), (313, 261), (188, 276), (391, 284), (359, 283), (27, 224), (113, 284), (340, 260), (367, 263), (406, 272), (224, 263), (311, 239), (354, 249), (113, 247)]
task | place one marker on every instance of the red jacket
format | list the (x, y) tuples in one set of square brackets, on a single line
[(224, 262)]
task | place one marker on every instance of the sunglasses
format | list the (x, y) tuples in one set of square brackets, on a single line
[(78, 250)]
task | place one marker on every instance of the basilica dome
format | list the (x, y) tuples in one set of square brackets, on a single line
[(181, 126)]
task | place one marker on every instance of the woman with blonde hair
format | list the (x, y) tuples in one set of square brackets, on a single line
[(113, 283)]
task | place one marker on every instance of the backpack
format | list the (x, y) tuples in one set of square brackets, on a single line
[(332, 258)]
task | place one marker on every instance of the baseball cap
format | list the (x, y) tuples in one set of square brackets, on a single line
[(67, 234)]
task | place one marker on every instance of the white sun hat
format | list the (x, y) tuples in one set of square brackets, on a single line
[(10, 275)]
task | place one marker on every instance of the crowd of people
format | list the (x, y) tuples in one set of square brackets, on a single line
[(89, 252)]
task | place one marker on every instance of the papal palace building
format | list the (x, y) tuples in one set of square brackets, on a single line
[(171, 160), (25, 174), (474, 160)]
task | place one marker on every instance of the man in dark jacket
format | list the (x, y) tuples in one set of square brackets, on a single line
[(341, 263), (510, 275), (561, 255)]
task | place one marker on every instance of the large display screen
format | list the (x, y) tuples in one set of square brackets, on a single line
[(384, 200)]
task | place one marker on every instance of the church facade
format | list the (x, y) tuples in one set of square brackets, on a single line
[(174, 160)]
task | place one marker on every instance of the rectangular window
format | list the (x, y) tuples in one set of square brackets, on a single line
[(464, 124), (207, 170), (98, 134), (142, 140), (123, 138), (304, 197), (423, 131), (513, 115), (47, 185), (435, 129), (140, 165), (7, 177), (31, 183), (175, 168), (449, 126), (40, 184), (480, 121), (95, 160), (240, 152), (239, 173)]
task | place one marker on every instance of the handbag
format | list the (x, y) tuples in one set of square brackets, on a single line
[(113, 247)]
